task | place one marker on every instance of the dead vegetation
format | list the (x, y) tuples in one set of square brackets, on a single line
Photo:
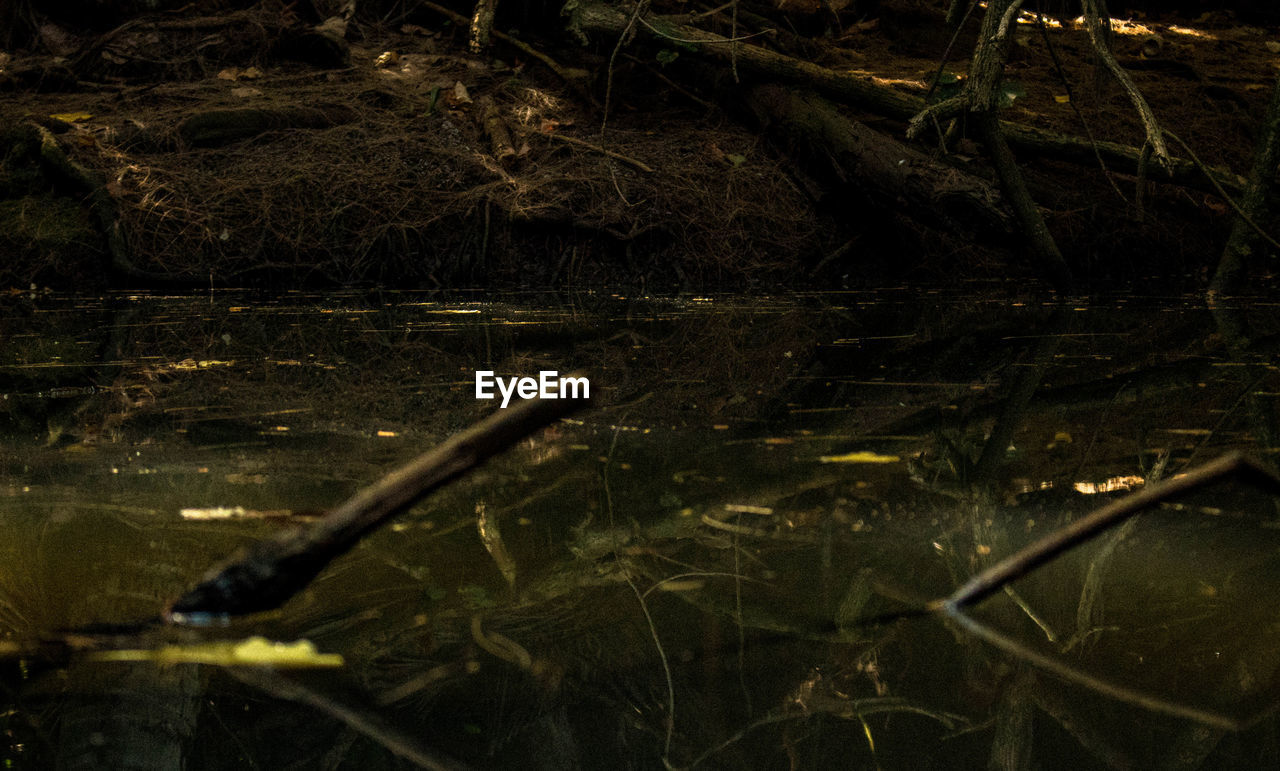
[(259, 147)]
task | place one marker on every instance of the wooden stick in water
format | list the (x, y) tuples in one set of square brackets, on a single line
[(1033, 556), (269, 573)]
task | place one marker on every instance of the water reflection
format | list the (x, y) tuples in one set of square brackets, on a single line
[(685, 575)]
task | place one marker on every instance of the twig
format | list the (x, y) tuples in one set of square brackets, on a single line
[(628, 32), (603, 151), (1040, 552), (349, 709), (574, 77)]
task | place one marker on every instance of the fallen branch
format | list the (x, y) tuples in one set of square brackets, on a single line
[(865, 93), (574, 77), (101, 206), (1101, 46), (1023, 562), (270, 572)]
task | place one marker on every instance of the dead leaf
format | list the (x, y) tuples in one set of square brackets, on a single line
[(251, 73), (230, 73), (458, 96), (245, 92)]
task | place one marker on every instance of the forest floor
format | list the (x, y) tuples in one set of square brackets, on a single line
[(256, 148)]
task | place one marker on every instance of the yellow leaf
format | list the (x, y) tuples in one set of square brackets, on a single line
[(859, 457), (1061, 98), (71, 117), (253, 652)]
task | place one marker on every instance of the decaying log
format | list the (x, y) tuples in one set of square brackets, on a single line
[(887, 169), (496, 129)]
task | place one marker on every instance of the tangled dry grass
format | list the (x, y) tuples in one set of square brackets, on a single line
[(407, 188)]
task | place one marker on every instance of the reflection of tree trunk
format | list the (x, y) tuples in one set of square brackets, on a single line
[(1021, 390), (123, 715), (1234, 329)]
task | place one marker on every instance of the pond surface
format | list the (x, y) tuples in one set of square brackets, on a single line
[(729, 561)]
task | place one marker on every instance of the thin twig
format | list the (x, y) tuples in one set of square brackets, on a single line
[(573, 76), (1235, 207), (644, 606), (603, 151)]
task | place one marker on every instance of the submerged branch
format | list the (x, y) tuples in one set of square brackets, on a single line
[(270, 572), (1080, 531)]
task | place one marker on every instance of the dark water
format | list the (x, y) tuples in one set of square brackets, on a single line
[(726, 563)]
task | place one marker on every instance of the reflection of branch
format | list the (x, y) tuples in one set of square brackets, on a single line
[(361, 717), (845, 709), (1023, 562), (1028, 559), (1069, 715), (1024, 386), (1080, 677)]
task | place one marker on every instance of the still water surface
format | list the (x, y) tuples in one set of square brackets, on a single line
[(727, 562)]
